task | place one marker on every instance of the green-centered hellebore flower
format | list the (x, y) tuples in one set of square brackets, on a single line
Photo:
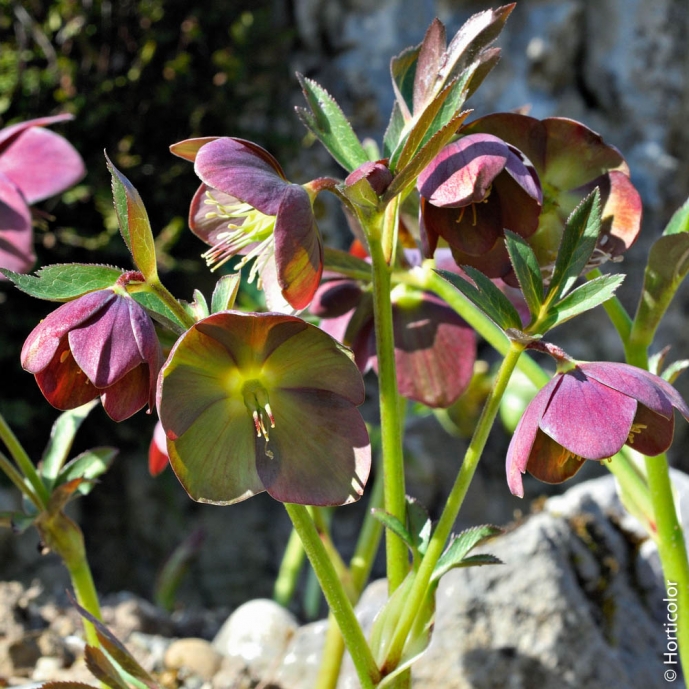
[(102, 344), (571, 161), (246, 207), (264, 402), (471, 192), (589, 412)]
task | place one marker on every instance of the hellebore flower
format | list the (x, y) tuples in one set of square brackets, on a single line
[(590, 412), (571, 160), (102, 344), (35, 164), (158, 458), (435, 349), (246, 207), (472, 191), (254, 402)]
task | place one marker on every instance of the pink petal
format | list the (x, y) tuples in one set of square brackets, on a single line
[(16, 237), (41, 164), (13, 131), (587, 418)]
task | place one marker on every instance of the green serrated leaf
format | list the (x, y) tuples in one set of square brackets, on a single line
[(225, 292), (88, 465), (403, 72), (578, 242), (102, 669), (159, 311), (527, 270), (668, 265), (461, 545), (479, 560), (64, 282), (199, 306), (584, 298), (392, 523), (61, 438), (393, 133), (486, 296), (328, 123), (134, 224), (419, 525)]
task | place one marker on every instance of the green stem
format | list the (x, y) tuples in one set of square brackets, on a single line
[(360, 568), (18, 480), (339, 603), (290, 569), (452, 507), (24, 462), (625, 470), (397, 559), (617, 314)]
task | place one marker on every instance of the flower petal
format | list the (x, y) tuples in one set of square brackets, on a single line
[(45, 339), (8, 134), (215, 459), (128, 394), (244, 170), (524, 436), (319, 451), (41, 164), (588, 418), (463, 171), (16, 237), (203, 221), (298, 248), (550, 462), (654, 434)]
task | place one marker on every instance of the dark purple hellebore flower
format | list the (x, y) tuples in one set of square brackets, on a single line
[(264, 402), (35, 164), (246, 207), (471, 192), (571, 160), (102, 344), (590, 412), (435, 349)]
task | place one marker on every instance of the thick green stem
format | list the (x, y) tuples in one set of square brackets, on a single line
[(454, 502), (397, 559), (24, 462), (338, 601), (360, 568)]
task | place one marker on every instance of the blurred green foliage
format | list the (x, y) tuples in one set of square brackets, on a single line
[(138, 75)]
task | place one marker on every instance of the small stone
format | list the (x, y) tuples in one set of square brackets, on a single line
[(257, 632), (47, 668), (197, 656)]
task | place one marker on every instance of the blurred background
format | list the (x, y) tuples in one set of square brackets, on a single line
[(141, 75)]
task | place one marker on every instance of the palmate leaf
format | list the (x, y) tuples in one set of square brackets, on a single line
[(327, 122), (88, 466), (578, 242), (65, 281), (486, 296), (159, 311), (134, 224), (527, 270)]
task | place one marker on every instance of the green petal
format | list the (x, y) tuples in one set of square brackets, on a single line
[(215, 459), (312, 359), (319, 451)]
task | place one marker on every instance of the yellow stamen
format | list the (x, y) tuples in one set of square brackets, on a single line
[(635, 430)]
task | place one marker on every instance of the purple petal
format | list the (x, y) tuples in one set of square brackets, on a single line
[(319, 452), (653, 432), (44, 340), (41, 164), (128, 394), (525, 435), (335, 297), (13, 131), (243, 170), (463, 172), (205, 228), (588, 418), (298, 248), (189, 148), (104, 346), (524, 176), (550, 462), (652, 391), (148, 345)]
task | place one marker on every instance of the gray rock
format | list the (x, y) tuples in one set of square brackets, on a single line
[(195, 656)]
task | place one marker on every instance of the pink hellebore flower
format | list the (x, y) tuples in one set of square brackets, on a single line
[(254, 402), (472, 191), (590, 412), (35, 164), (246, 207), (102, 344)]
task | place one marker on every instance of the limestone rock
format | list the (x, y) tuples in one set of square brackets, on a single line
[(196, 656)]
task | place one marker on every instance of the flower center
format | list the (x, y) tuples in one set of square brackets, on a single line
[(256, 401), (635, 430), (246, 228), (473, 209)]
